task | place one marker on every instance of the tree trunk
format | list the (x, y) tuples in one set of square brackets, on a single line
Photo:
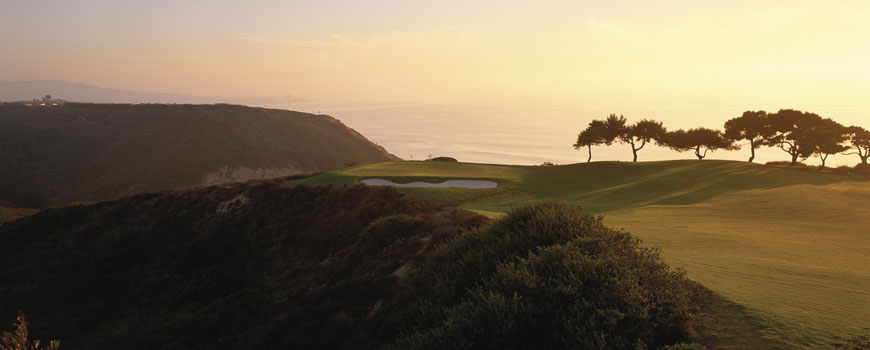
[(752, 146), (634, 149), (794, 158), (590, 154), (824, 158)]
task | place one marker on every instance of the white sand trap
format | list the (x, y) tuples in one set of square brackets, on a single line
[(448, 183)]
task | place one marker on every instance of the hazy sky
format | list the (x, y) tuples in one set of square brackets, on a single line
[(625, 56)]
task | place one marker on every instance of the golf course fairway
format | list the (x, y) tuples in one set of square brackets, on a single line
[(790, 246)]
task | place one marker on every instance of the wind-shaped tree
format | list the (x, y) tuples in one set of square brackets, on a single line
[(595, 134), (698, 139), (638, 135), (860, 140), (827, 138), (792, 131), (752, 127)]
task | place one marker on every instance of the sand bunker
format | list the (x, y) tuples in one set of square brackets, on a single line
[(448, 183)]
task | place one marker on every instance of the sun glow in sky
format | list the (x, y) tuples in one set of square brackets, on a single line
[(626, 56)]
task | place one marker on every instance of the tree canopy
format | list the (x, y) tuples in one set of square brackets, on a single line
[(698, 139), (860, 141), (827, 138), (752, 127), (798, 133), (640, 134), (595, 134), (792, 131)]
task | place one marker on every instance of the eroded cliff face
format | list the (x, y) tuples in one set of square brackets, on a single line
[(227, 174)]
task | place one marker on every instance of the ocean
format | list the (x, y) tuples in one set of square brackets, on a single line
[(516, 135)]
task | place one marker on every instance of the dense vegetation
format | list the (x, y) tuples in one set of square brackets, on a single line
[(547, 276), (88, 152), (234, 266), (800, 134), (271, 265)]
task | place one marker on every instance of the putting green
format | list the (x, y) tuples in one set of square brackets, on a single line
[(792, 247)]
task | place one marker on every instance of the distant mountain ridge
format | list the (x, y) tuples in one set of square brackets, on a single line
[(11, 91), (92, 152)]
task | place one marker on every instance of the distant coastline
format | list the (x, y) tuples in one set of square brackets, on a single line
[(13, 91)]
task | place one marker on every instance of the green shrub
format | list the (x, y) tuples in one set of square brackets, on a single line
[(387, 230), (17, 340), (546, 276), (442, 159)]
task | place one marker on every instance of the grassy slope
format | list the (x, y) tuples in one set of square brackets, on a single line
[(790, 246), (90, 152)]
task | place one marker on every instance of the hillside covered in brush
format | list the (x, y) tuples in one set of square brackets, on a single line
[(52, 155), (269, 265), (236, 265)]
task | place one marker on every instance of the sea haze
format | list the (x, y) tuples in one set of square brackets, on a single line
[(522, 136)]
